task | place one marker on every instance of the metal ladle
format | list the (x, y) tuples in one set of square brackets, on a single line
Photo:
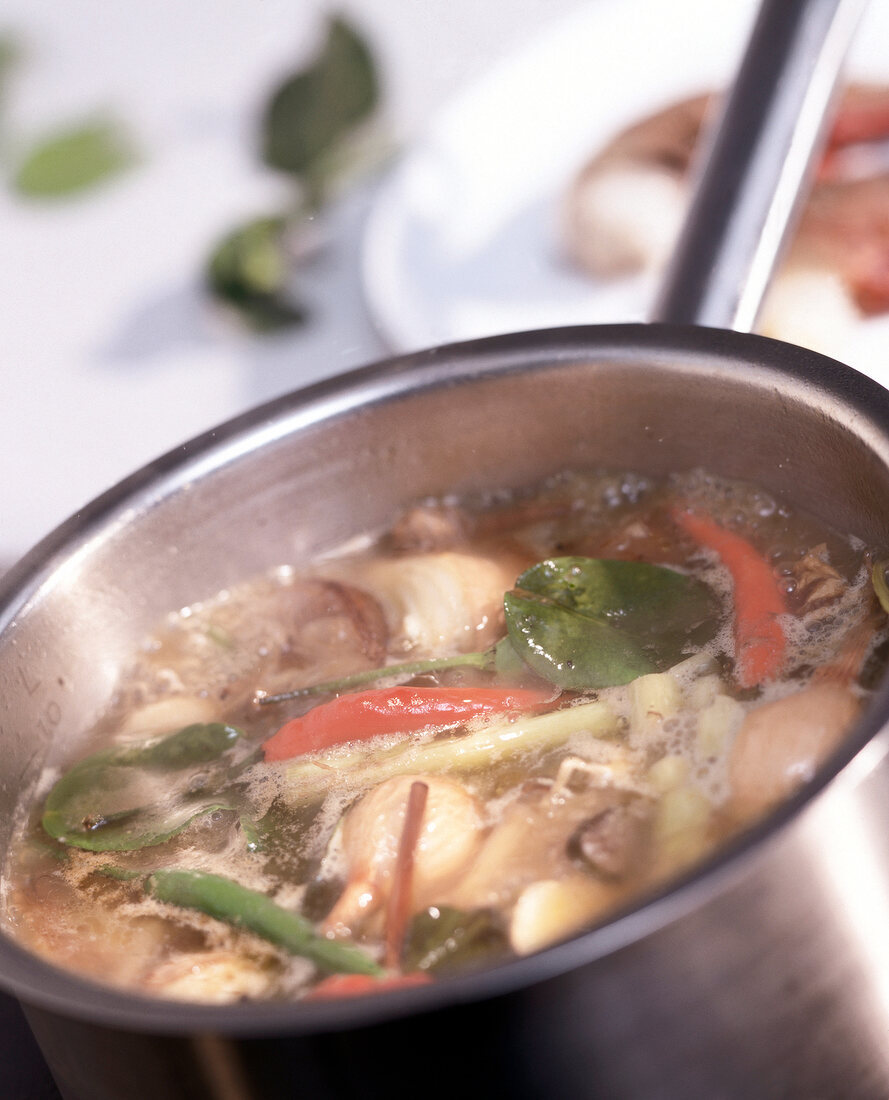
[(760, 164)]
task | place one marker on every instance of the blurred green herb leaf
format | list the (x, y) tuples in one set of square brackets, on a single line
[(73, 160), (309, 131), (319, 106), (248, 270)]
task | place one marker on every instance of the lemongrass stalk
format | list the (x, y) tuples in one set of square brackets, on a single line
[(310, 777)]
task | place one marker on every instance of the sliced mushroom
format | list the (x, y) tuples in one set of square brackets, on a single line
[(299, 631), (533, 841), (612, 841), (817, 582)]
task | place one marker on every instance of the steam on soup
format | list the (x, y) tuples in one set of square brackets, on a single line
[(496, 726)]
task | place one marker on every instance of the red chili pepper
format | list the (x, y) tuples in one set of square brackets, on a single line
[(364, 714), (356, 985), (759, 639)]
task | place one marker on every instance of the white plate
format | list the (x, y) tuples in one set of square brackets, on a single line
[(464, 239)]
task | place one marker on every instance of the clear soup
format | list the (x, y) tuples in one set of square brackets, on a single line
[(489, 729)]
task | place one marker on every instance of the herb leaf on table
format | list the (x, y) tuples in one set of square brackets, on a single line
[(318, 107), (308, 131), (74, 160), (249, 269)]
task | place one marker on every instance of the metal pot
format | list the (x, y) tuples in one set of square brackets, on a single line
[(763, 973)]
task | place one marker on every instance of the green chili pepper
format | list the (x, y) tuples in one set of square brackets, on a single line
[(234, 904)]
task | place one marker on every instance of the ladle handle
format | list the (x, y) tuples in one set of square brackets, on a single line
[(760, 164)]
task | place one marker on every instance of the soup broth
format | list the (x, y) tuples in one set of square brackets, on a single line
[(497, 725)]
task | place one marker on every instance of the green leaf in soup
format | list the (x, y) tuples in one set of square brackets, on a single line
[(195, 744), (587, 623), (135, 796), (320, 105), (571, 649), (507, 661), (74, 160)]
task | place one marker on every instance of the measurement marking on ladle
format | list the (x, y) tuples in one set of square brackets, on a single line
[(31, 686), (50, 717)]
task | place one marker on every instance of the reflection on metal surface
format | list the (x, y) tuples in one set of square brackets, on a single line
[(751, 981), (851, 852), (221, 1064)]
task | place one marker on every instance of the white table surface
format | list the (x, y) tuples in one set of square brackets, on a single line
[(109, 352)]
